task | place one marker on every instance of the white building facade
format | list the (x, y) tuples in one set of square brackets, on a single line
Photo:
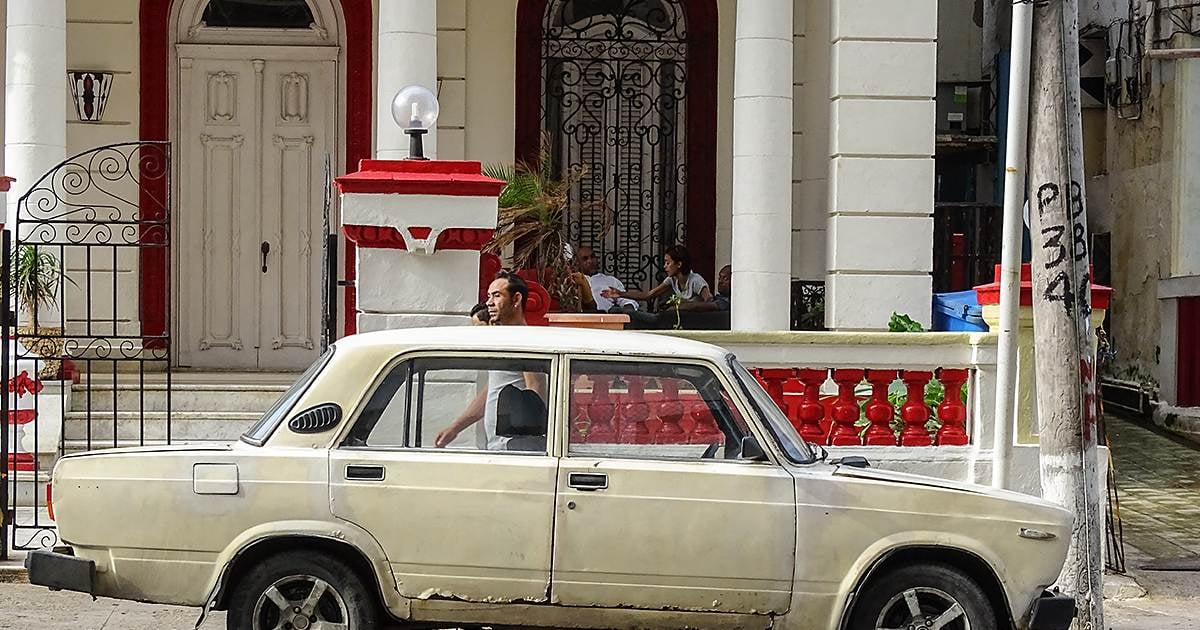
[(792, 139)]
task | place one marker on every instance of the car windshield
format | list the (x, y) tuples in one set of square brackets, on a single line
[(794, 446), (263, 429)]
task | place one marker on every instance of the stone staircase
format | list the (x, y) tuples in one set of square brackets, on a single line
[(131, 410)]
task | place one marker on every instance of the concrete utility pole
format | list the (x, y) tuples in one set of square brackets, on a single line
[(1065, 363)]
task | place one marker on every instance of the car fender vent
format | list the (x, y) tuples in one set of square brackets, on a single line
[(318, 419)]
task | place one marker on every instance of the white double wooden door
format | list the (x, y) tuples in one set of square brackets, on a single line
[(255, 124)]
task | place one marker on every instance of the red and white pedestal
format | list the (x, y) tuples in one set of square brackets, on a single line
[(418, 227)]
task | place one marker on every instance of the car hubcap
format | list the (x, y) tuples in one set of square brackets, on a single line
[(301, 602), (922, 608)]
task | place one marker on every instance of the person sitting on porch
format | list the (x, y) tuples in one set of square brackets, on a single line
[(588, 263), (681, 282)]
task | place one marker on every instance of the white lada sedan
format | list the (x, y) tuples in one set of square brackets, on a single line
[(545, 477)]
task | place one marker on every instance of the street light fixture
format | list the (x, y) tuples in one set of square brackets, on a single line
[(415, 110)]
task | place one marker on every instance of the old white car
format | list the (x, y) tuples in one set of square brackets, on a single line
[(545, 477)]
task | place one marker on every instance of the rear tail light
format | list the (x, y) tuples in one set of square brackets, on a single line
[(50, 499)]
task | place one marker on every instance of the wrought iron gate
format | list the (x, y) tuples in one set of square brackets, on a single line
[(614, 86), (87, 364)]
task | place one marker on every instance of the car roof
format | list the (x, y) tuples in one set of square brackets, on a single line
[(536, 339)]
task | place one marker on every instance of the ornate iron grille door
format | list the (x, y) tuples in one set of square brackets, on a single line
[(90, 365), (614, 86)]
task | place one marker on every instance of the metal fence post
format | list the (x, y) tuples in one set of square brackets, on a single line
[(5, 321)]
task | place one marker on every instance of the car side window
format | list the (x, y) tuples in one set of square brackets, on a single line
[(458, 403), (652, 411)]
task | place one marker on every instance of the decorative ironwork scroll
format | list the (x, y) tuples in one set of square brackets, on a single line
[(91, 238), (614, 78)]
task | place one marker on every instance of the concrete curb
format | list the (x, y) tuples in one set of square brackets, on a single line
[(14, 574), (1119, 587), (1182, 421)]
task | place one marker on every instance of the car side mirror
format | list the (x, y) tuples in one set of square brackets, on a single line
[(751, 450)]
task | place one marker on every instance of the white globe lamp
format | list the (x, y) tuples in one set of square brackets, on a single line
[(415, 110)]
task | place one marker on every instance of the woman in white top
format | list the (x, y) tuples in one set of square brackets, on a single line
[(681, 281)]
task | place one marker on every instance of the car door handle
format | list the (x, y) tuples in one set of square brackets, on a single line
[(587, 482), (364, 473)]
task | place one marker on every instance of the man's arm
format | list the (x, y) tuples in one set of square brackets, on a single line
[(536, 381), (472, 414)]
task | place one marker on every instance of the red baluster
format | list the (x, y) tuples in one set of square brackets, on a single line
[(879, 409), (811, 411), (634, 413), (601, 412), (914, 411), (705, 431), (670, 412), (773, 380), (952, 412), (845, 410)]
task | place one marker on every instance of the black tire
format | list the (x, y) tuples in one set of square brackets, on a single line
[(345, 599), (884, 602)]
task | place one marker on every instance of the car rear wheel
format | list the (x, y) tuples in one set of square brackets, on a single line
[(302, 591), (923, 597)]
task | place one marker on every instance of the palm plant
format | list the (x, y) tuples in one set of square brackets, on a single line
[(36, 277), (534, 208)]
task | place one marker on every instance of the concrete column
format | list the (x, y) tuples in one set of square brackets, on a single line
[(880, 236), (35, 120), (406, 54), (762, 165)]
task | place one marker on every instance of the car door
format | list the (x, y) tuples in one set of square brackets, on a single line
[(472, 519), (656, 509)]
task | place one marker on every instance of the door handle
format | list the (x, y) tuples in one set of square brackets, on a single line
[(587, 482), (266, 249), (364, 473)]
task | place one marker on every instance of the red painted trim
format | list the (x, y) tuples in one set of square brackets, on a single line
[(411, 177), (701, 201), (384, 237), (6, 183), (1187, 369), (990, 293), (154, 28)]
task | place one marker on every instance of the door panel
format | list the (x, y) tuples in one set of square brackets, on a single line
[(254, 133), (217, 299), (467, 525), (297, 124), (698, 536)]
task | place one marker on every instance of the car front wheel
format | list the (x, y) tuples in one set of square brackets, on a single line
[(923, 597), (302, 591)]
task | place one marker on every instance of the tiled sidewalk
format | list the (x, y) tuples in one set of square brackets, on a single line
[(1158, 480)]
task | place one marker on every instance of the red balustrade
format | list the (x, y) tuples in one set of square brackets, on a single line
[(634, 412), (601, 411), (914, 411), (810, 410), (879, 409), (704, 428), (670, 412), (773, 380), (845, 409), (952, 412)]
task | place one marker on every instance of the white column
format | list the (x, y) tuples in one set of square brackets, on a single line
[(762, 165), (406, 55), (35, 119), (880, 239)]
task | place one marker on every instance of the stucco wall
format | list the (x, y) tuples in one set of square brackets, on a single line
[(104, 36), (1133, 201)]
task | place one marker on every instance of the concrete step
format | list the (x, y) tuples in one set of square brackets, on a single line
[(132, 426), (185, 397)]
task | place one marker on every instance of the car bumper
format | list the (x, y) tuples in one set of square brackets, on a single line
[(1052, 611), (61, 571)]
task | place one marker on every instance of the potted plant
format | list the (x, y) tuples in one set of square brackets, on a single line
[(534, 207), (36, 278)]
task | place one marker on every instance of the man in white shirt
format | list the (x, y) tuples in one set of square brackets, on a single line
[(506, 307), (588, 264)]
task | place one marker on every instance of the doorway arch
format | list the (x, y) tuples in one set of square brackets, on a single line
[(689, 30)]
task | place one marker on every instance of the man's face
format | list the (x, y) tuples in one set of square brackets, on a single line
[(725, 280), (501, 304), (585, 261)]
